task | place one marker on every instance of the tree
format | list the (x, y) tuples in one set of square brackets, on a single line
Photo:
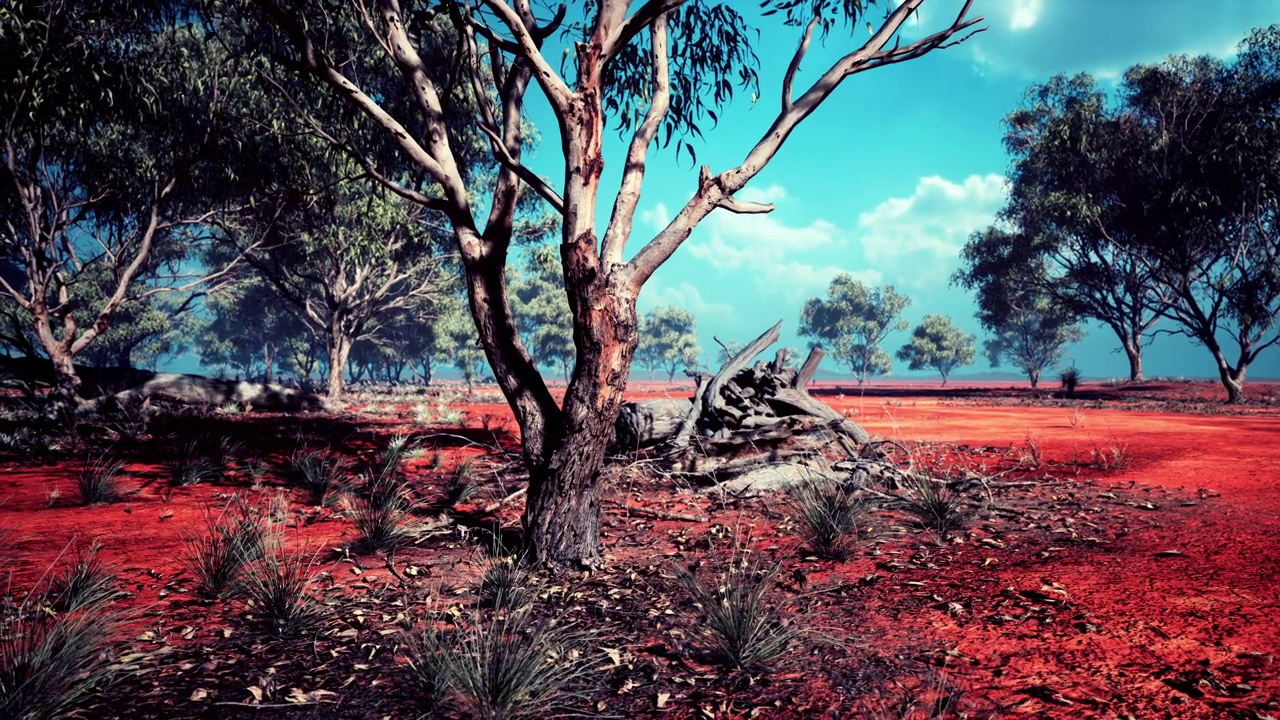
[(105, 132), (661, 66), (668, 341), (542, 310), (853, 321), (347, 255), (250, 330), (936, 343), (1161, 204), (1029, 335)]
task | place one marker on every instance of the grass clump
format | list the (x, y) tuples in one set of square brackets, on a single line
[(512, 665), (319, 474), (383, 521), (829, 516), (52, 664), (740, 627), (279, 588), (83, 582), (99, 482), (1070, 378), (504, 584), (55, 652), (936, 508), (216, 558), (192, 464)]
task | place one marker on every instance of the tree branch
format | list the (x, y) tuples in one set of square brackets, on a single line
[(624, 206), (795, 63)]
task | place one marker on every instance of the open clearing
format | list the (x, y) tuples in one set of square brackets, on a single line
[(1121, 562)]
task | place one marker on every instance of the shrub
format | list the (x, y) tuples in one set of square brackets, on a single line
[(513, 665), (829, 516), (936, 507), (1070, 378), (739, 625), (317, 473), (279, 588), (99, 482), (461, 485)]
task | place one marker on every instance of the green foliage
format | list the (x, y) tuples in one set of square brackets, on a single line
[(936, 343), (1159, 202), (510, 665), (1030, 335), (740, 626), (668, 341), (853, 321), (542, 310), (829, 516), (1070, 378)]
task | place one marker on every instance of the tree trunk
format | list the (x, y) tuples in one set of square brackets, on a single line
[(562, 514), (339, 348), (1034, 375), (1233, 381), (1133, 352)]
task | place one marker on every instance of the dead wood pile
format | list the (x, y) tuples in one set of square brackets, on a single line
[(751, 428)]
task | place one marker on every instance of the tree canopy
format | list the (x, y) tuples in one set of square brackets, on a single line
[(853, 321), (668, 341), (937, 344)]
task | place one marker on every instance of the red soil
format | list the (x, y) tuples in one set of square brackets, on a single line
[(1101, 620)]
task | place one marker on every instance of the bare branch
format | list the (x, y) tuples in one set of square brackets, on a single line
[(624, 206), (795, 63), (639, 20), (718, 191), (555, 88)]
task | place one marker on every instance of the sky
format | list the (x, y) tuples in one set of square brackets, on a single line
[(890, 176)]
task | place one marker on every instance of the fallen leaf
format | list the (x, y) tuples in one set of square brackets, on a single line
[(662, 699), (199, 694)]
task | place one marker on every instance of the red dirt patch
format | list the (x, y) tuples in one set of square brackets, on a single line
[(1128, 569)]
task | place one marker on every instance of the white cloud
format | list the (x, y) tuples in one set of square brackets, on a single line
[(916, 240), (1025, 14), (1034, 39), (684, 295)]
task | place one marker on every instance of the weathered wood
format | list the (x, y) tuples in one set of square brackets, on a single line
[(690, 422), (797, 402), (711, 398), (772, 478), (201, 390), (642, 424), (810, 366)]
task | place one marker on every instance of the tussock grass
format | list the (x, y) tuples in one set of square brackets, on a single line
[(829, 516), (216, 556), (279, 588), (513, 664), (935, 507), (99, 482), (320, 475), (84, 581), (740, 626), (192, 464), (504, 584)]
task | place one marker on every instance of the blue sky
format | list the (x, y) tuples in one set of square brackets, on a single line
[(889, 177)]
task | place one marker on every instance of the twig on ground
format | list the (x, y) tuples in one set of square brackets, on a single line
[(659, 514)]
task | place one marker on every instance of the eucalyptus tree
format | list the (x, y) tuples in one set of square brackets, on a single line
[(668, 341), (937, 344), (346, 255), (1161, 203), (853, 321), (250, 330), (1029, 334), (659, 66)]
